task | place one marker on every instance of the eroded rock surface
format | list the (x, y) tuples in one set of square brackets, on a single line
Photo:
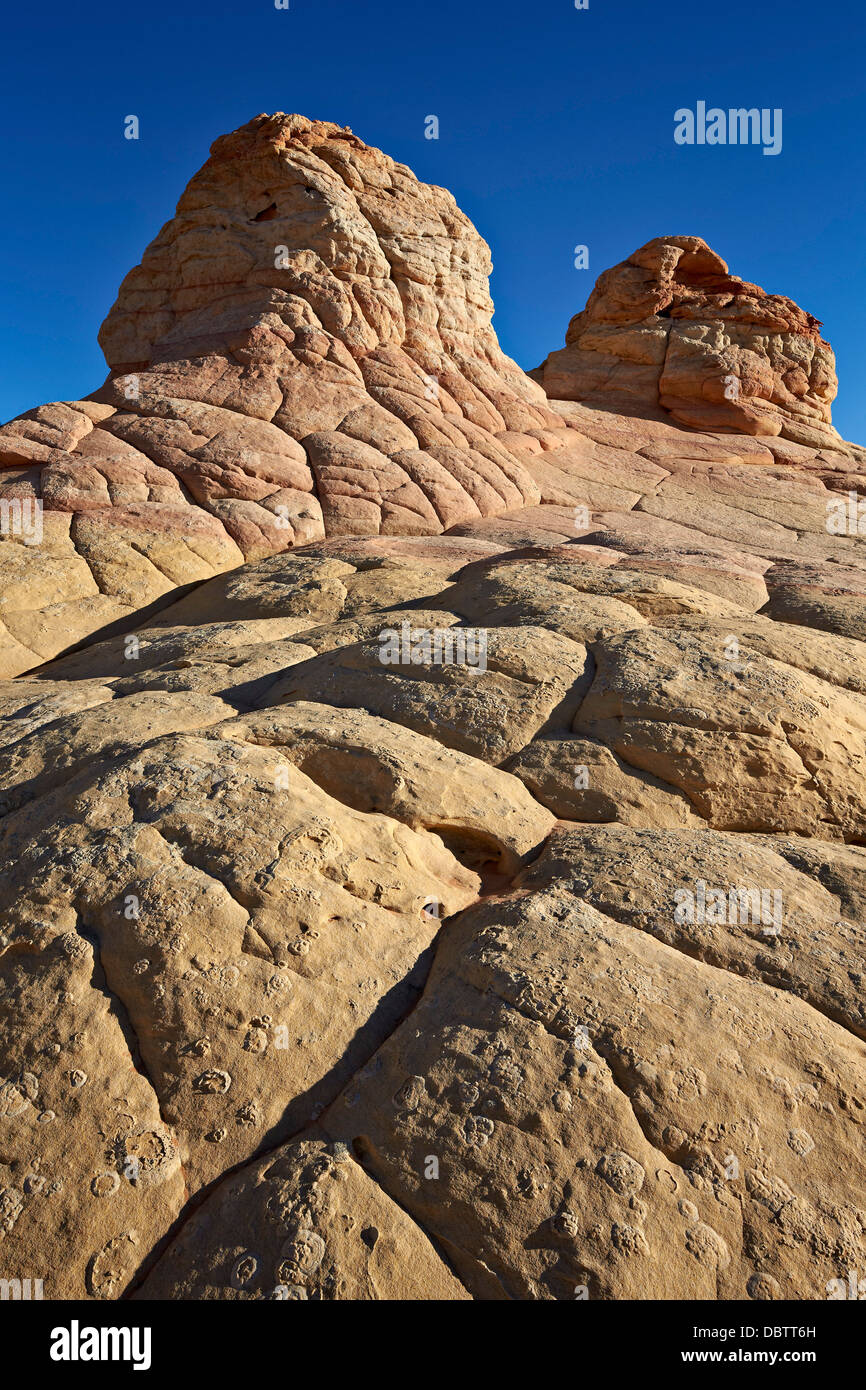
[(304, 350), (671, 327), (458, 892), (234, 854)]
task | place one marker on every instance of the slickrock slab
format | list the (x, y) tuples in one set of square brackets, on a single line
[(374, 765), (581, 779), (613, 1118), (254, 980), (91, 1173), (831, 597), (801, 939), (532, 681), (256, 831), (315, 1227), (753, 743)]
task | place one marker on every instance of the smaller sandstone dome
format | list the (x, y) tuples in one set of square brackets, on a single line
[(671, 330)]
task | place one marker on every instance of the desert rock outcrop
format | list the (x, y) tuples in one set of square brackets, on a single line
[(304, 350), (459, 891), (671, 328)]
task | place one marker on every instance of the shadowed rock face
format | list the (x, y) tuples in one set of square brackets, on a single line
[(328, 976), (671, 328)]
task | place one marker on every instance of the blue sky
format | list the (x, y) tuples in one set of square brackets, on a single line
[(556, 129)]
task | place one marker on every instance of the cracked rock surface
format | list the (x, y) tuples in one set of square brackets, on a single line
[(458, 892)]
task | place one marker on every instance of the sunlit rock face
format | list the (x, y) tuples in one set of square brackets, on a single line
[(304, 351), (671, 329), (438, 870), (309, 281)]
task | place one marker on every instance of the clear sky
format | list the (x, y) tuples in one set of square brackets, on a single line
[(556, 129)]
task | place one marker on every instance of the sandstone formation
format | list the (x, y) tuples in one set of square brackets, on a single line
[(305, 350), (460, 891), (670, 327)]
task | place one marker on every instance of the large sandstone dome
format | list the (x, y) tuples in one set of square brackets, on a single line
[(532, 972)]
